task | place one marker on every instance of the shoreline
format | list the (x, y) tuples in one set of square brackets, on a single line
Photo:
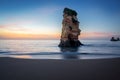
[(61, 56), (59, 69)]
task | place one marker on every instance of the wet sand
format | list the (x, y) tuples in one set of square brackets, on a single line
[(51, 69)]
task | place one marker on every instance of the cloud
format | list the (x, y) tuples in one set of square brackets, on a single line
[(37, 17), (2, 26), (12, 35), (12, 27)]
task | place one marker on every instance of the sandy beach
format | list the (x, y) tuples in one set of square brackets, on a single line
[(51, 69)]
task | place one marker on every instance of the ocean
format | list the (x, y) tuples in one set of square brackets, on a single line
[(48, 49)]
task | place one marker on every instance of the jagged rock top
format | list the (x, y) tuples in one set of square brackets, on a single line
[(69, 12)]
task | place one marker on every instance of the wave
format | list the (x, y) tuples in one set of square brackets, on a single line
[(100, 45), (3, 52), (60, 53)]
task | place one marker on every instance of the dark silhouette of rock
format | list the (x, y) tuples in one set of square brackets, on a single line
[(113, 39), (70, 29), (118, 39)]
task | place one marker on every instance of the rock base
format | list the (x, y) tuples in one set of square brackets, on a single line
[(70, 43)]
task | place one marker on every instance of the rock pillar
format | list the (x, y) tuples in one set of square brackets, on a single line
[(70, 29)]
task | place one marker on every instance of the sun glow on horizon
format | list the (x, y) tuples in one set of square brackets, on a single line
[(83, 35), (43, 20)]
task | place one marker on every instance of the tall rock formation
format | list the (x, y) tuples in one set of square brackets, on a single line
[(70, 29)]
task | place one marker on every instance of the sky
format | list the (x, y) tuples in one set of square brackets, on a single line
[(42, 19)]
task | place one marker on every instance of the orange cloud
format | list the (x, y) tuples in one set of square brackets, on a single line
[(13, 27), (10, 35), (22, 33), (13, 31)]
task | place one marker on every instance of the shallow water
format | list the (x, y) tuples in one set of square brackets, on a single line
[(48, 49)]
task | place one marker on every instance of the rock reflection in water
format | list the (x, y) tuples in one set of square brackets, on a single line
[(69, 52)]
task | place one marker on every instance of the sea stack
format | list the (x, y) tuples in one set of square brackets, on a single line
[(70, 29)]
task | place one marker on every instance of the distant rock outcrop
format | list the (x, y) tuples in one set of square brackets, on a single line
[(70, 29), (113, 39)]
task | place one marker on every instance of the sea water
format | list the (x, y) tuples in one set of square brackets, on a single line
[(48, 49)]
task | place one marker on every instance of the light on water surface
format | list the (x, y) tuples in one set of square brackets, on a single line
[(48, 49)]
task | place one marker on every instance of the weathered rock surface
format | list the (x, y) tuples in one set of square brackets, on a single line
[(70, 29)]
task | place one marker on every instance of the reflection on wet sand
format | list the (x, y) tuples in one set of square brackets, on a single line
[(22, 56), (70, 56), (68, 52)]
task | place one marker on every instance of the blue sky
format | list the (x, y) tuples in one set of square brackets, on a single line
[(45, 16)]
